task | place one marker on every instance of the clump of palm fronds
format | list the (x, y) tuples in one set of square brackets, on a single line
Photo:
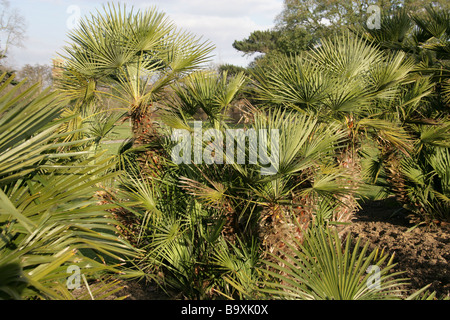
[(49, 217)]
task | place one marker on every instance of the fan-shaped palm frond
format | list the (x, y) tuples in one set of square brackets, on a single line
[(207, 91), (435, 30), (324, 268), (135, 52), (343, 76), (294, 80), (427, 183), (346, 55), (394, 32), (49, 217)]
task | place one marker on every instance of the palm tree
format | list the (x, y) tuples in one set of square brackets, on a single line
[(50, 218), (324, 267), (231, 207), (348, 82), (180, 225), (131, 56), (307, 188), (244, 197), (419, 182)]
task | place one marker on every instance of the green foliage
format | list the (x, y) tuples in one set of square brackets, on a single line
[(347, 80), (323, 268), (323, 17), (427, 183), (258, 41), (206, 91), (49, 217), (302, 24), (12, 281), (176, 234), (226, 230), (238, 265), (271, 41), (135, 54), (232, 69), (419, 180), (200, 224), (102, 124), (344, 75)]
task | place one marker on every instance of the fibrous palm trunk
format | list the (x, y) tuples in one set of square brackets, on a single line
[(145, 137), (394, 176), (351, 163)]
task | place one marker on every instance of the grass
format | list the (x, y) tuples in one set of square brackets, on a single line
[(121, 131), (115, 138)]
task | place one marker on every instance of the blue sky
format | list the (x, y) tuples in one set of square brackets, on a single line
[(222, 22)]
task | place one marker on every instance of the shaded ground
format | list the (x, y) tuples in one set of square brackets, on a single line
[(142, 291), (423, 252)]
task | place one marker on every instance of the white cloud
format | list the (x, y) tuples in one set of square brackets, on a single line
[(228, 8), (221, 22), (222, 31)]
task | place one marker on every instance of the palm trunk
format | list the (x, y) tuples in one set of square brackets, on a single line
[(145, 136), (351, 162), (144, 133), (395, 179)]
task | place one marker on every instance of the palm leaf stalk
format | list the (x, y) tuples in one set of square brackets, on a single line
[(131, 56), (422, 108), (49, 217), (323, 267)]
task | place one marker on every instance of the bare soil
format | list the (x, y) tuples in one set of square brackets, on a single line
[(423, 252), (142, 291)]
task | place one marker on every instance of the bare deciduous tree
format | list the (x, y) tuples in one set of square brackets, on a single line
[(36, 74), (12, 27)]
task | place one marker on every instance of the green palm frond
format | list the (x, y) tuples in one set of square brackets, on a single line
[(27, 128), (446, 90), (343, 75), (238, 265), (434, 22), (304, 146), (49, 217), (427, 183), (12, 281), (346, 56), (302, 140), (292, 80), (388, 131), (388, 74), (134, 53), (214, 196), (52, 218), (204, 90), (437, 135), (323, 267), (434, 29), (394, 31)]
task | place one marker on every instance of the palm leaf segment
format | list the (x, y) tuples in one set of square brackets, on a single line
[(135, 54), (323, 268), (49, 218)]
